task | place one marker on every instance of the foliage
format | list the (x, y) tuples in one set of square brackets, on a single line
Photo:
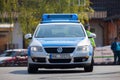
[(29, 12)]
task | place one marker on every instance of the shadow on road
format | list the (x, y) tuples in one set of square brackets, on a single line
[(59, 71), (48, 72), (19, 72)]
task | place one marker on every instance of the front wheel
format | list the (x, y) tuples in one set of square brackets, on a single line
[(90, 67), (32, 68)]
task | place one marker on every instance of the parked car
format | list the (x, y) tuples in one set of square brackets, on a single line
[(14, 57)]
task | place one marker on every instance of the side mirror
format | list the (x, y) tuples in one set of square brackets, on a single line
[(92, 35), (28, 36)]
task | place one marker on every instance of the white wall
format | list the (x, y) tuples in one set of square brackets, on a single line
[(99, 34), (17, 35)]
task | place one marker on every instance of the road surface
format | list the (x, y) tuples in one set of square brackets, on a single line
[(99, 73)]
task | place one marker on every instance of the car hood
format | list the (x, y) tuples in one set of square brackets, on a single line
[(45, 42), (4, 58)]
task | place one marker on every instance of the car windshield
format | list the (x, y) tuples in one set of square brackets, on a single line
[(45, 31)]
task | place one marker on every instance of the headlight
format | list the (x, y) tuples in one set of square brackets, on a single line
[(36, 49), (82, 48)]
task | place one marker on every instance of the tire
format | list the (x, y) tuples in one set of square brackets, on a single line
[(32, 69), (90, 67)]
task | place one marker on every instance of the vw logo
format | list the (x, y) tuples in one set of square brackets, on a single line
[(59, 49)]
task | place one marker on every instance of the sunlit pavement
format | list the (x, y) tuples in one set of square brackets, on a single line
[(99, 73)]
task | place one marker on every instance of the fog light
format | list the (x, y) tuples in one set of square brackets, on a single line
[(87, 57), (83, 59), (35, 60)]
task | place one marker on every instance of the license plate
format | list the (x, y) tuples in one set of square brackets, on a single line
[(59, 56)]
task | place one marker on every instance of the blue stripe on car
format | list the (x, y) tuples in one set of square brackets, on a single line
[(28, 51)]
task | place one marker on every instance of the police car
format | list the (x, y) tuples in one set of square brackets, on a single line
[(60, 41)]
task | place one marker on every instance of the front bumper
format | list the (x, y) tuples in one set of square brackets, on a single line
[(60, 66), (59, 63)]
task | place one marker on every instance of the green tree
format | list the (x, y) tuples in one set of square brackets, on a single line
[(29, 12)]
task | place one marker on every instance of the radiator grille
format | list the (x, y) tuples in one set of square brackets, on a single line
[(65, 50)]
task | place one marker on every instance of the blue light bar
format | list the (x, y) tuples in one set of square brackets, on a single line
[(60, 21), (47, 18)]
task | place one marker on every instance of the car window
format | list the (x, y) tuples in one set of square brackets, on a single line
[(21, 53), (2, 55), (45, 31), (9, 54)]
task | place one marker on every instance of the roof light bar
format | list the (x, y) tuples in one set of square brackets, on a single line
[(48, 18)]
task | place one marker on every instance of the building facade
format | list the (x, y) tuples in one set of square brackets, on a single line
[(10, 36), (105, 20)]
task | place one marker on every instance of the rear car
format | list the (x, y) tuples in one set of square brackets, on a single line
[(60, 41), (14, 57)]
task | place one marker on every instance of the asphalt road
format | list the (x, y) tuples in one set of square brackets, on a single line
[(99, 73)]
